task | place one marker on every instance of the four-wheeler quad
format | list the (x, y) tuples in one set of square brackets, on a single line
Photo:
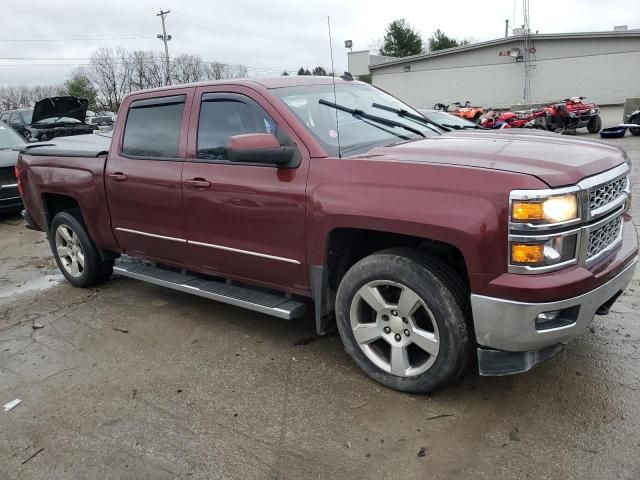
[(572, 113), (466, 110), (519, 119)]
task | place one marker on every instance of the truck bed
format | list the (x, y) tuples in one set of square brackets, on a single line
[(92, 145)]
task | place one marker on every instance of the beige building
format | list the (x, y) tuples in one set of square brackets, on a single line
[(602, 66)]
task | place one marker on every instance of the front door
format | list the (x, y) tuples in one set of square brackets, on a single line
[(143, 178), (244, 221)]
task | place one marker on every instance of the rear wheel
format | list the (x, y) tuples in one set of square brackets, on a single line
[(595, 124), (402, 317), (76, 254)]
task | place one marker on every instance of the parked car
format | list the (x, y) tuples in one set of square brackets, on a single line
[(19, 120), (50, 118), (9, 196), (424, 245)]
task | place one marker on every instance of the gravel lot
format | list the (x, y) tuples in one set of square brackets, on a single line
[(197, 389)]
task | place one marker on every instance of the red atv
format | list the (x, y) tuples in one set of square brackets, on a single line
[(572, 113), (521, 119)]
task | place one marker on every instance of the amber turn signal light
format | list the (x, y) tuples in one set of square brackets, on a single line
[(527, 253), (523, 211)]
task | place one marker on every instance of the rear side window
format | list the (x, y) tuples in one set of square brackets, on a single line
[(153, 127), (221, 118), (5, 118)]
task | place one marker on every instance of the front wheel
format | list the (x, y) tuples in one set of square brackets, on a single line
[(77, 256), (595, 124), (403, 318)]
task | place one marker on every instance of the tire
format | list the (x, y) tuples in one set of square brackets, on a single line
[(595, 124), (439, 320), (76, 254), (633, 130)]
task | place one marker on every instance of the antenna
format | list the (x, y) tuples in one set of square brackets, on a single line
[(333, 78)]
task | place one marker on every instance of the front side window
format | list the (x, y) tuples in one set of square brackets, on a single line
[(222, 117), (153, 126)]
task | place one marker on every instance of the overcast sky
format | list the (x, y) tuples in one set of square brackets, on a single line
[(41, 41)]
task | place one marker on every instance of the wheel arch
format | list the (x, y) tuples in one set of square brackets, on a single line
[(345, 246)]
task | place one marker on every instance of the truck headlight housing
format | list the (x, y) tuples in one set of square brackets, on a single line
[(544, 229), (552, 210), (545, 252)]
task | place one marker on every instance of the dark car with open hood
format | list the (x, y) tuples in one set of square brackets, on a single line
[(50, 118), (10, 199)]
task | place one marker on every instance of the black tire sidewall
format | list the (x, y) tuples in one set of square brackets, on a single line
[(449, 317), (595, 124), (92, 261)]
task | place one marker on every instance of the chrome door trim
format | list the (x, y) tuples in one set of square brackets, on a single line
[(246, 252), (152, 235)]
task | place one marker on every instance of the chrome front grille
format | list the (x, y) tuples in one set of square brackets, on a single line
[(602, 195), (601, 238)]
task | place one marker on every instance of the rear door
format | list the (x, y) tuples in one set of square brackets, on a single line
[(244, 221), (143, 177)]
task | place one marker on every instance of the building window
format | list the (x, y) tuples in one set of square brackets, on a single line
[(407, 68)]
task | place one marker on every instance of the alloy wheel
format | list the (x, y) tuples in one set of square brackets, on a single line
[(394, 328)]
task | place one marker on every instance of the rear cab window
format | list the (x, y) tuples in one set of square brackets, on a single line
[(152, 128)]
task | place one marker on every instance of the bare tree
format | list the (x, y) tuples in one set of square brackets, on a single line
[(216, 70), (187, 68), (110, 72)]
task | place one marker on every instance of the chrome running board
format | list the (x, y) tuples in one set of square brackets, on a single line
[(213, 289)]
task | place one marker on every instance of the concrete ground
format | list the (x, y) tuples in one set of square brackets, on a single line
[(130, 380)]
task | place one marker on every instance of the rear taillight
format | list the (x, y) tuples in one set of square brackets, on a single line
[(17, 171)]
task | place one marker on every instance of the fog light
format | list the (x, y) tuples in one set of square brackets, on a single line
[(557, 318)]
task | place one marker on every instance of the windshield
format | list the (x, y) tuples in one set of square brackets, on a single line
[(357, 134), (26, 116), (51, 120), (448, 120), (9, 138)]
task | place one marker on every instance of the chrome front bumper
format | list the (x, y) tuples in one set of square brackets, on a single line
[(511, 326)]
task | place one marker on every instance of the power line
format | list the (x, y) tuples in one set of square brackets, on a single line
[(64, 39)]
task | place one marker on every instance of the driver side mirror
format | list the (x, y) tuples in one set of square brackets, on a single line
[(261, 148)]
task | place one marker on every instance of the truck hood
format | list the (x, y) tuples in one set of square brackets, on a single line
[(73, 107), (554, 159)]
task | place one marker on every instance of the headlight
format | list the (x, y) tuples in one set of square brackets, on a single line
[(546, 252), (555, 209)]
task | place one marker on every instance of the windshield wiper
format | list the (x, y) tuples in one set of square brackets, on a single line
[(412, 116), (374, 118)]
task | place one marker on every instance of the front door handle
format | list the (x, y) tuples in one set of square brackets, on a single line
[(118, 176), (198, 183)]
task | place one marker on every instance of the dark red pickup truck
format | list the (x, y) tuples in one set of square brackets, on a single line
[(275, 195)]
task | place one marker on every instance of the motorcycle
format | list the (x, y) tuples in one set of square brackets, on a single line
[(572, 113), (520, 119)]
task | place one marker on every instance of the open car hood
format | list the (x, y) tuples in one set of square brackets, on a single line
[(73, 107)]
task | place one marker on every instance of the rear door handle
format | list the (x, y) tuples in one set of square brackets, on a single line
[(198, 183), (118, 176)]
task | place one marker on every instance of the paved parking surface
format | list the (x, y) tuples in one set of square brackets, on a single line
[(196, 389)]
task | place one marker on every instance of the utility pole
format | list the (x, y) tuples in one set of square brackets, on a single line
[(506, 28), (165, 38)]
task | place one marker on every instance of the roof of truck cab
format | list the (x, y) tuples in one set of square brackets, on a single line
[(274, 82)]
